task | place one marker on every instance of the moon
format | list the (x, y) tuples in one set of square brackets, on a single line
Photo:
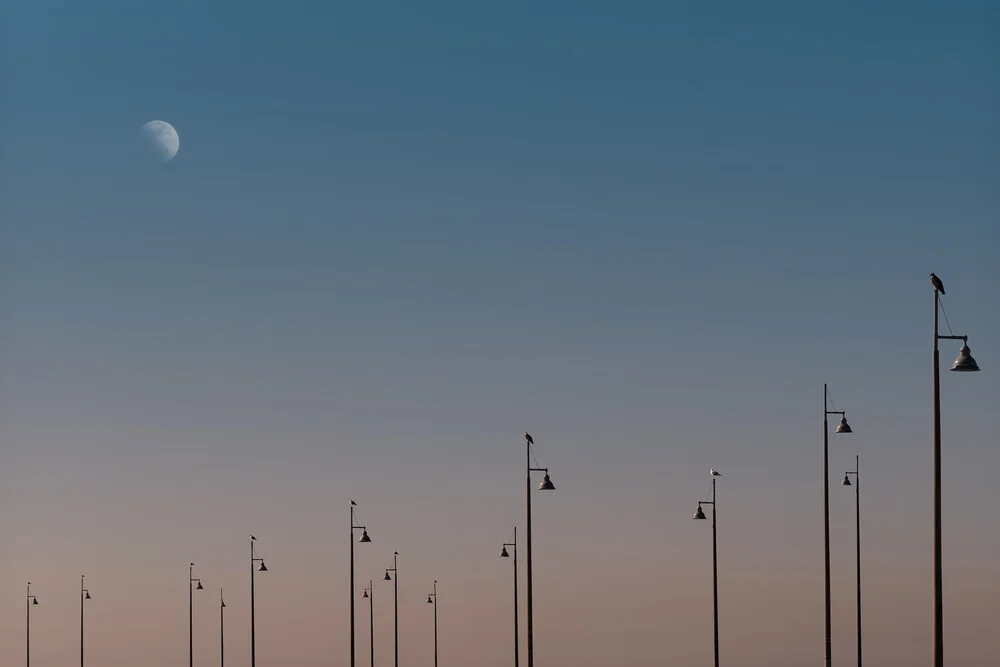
[(162, 138)]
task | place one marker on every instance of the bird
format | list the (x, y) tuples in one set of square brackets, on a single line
[(527, 436), (353, 503), (252, 537), (938, 285), (716, 473)]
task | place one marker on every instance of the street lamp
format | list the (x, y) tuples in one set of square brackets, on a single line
[(364, 538), (222, 630), (963, 363), (842, 427), (432, 598), (370, 596), (30, 602), (505, 554), (700, 515), (191, 588), (84, 595), (546, 485), (395, 606), (857, 528), (253, 621)]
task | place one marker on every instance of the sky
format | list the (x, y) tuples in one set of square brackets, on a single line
[(397, 235)]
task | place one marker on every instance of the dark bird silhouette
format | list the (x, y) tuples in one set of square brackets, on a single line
[(938, 285), (527, 436), (353, 503), (252, 537)]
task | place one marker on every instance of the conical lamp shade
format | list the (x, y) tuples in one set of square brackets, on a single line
[(964, 363)]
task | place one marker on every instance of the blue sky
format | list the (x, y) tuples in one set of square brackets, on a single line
[(397, 234)]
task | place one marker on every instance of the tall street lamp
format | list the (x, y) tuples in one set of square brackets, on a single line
[(395, 606), (192, 580), (857, 536), (504, 554), (842, 427), (222, 630), (963, 363), (364, 538), (432, 598), (253, 621), (30, 602), (546, 485), (370, 596), (84, 595), (700, 515)]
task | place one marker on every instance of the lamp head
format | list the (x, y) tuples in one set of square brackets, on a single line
[(262, 567), (429, 600), (699, 513), (199, 587), (364, 537), (964, 363), (846, 482), (503, 553), (843, 426), (387, 577), (87, 596), (365, 595), (34, 601), (547, 484)]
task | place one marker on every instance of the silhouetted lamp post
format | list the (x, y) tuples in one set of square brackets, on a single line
[(395, 606), (546, 485), (700, 515), (842, 427), (222, 630), (505, 554), (30, 602), (84, 595), (192, 580), (963, 363), (857, 536), (254, 568), (364, 538), (370, 596), (432, 598)]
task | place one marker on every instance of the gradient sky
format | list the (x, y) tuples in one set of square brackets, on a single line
[(399, 234)]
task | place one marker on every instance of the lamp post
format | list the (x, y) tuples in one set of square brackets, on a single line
[(364, 538), (222, 630), (700, 515), (191, 588), (546, 485), (842, 427), (370, 595), (30, 602), (963, 363), (253, 621), (84, 595), (857, 528), (432, 598), (395, 606), (505, 554)]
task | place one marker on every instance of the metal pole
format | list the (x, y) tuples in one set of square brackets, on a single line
[(857, 520), (395, 608), (81, 620), (938, 583), (190, 616), (27, 626), (531, 639), (435, 624), (371, 615), (222, 630), (352, 586), (826, 528), (715, 577), (516, 634), (253, 620)]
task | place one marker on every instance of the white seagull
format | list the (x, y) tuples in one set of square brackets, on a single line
[(716, 473)]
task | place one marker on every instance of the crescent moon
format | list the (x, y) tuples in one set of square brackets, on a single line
[(162, 138)]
